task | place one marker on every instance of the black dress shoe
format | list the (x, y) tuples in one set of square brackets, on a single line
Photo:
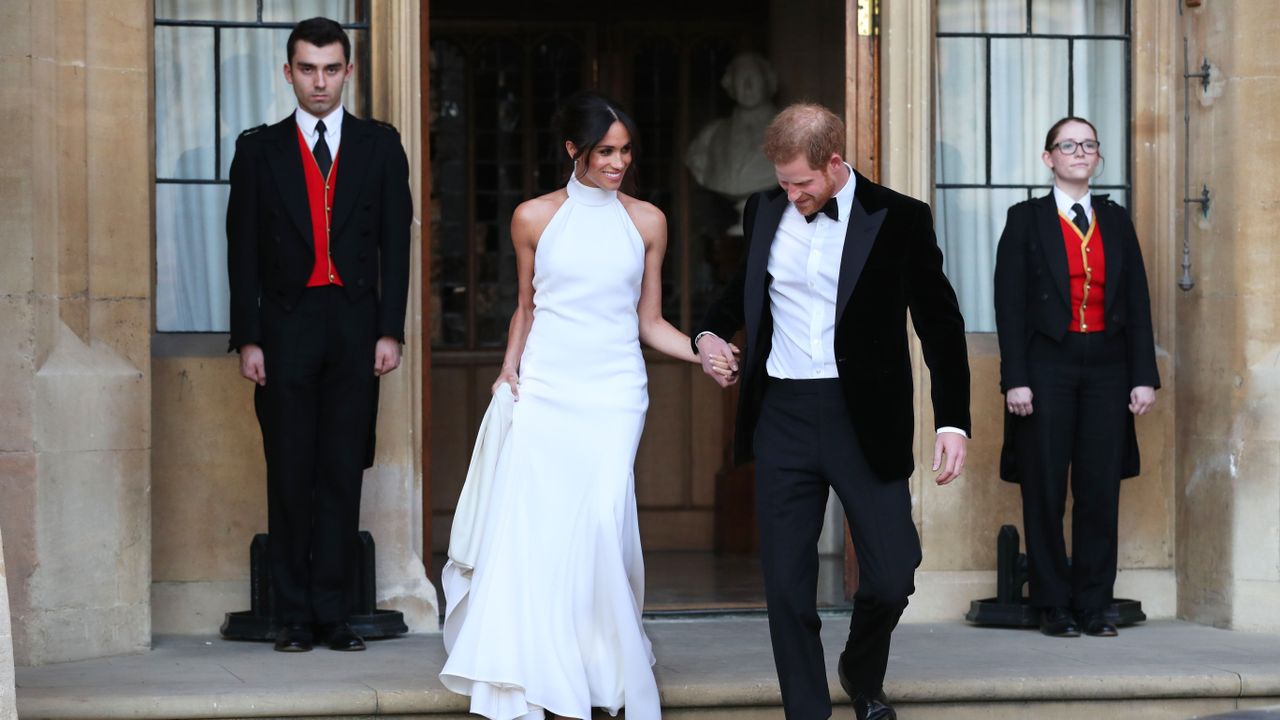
[(340, 636), (876, 707), (1097, 625), (293, 638), (1058, 622), (873, 708)]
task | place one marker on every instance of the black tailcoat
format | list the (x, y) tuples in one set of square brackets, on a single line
[(270, 250), (1033, 295), (318, 408)]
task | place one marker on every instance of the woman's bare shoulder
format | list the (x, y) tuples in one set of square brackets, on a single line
[(647, 217), (532, 216)]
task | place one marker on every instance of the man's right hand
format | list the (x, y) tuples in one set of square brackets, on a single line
[(719, 360), (253, 365)]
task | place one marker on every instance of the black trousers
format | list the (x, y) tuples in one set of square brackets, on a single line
[(1080, 398), (315, 412), (805, 444)]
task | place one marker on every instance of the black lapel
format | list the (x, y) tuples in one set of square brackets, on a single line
[(768, 216), (1049, 228), (1105, 217), (353, 164), (285, 160), (859, 237)]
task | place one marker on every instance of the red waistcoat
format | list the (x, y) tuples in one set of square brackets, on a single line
[(320, 201), (1087, 270)]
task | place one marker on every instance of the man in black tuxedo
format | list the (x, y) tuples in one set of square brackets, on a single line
[(834, 262), (318, 259)]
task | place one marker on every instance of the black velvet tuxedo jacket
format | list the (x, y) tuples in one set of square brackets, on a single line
[(1033, 295), (890, 264), (270, 252)]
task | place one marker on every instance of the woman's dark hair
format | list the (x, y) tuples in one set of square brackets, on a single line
[(319, 31), (584, 119), (1053, 131)]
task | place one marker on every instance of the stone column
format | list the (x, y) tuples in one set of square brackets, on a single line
[(1228, 419), (392, 503), (75, 287)]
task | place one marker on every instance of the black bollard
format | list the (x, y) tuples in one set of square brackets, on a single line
[(1008, 584), (258, 622), (1009, 607)]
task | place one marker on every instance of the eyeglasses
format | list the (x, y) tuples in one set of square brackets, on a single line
[(1068, 147)]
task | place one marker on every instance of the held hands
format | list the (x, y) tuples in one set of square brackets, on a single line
[(253, 366), (1142, 399), (1018, 401), (508, 376), (386, 356), (719, 360), (954, 446)]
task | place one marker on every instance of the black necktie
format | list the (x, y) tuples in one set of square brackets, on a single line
[(831, 210), (321, 151), (1079, 217)]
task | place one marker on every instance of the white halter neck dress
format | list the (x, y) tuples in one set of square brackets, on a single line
[(550, 617)]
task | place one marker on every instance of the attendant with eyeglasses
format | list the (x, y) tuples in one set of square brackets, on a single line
[(1077, 364)]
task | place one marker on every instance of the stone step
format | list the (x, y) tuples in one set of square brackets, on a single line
[(708, 669)]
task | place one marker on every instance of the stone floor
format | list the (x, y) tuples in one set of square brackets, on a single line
[(681, 582), (708, 668)]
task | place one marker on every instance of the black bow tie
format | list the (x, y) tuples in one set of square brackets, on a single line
[(831, 210)]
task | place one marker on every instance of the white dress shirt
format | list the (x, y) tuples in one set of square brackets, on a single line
[(804, 262), (332, 128), (1065, 201)]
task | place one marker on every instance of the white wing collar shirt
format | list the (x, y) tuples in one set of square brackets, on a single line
[(332, 128), (804, 262)]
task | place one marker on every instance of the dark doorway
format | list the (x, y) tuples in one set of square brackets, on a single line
[(498, 71)]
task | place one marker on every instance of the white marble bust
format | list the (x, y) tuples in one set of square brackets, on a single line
[(725, 156)]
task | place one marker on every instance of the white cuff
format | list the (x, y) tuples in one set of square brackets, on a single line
[(949, 429)]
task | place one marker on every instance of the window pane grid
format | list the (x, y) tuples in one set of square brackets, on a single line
[(1006, 70), (216, 74), (492, 100)]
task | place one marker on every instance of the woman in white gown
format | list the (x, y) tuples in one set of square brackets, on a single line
[(549, 618)]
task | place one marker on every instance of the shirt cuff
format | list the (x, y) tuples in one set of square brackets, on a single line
[(949, 429)]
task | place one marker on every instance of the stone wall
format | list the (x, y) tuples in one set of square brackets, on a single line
[(75, 286), (1228, 425), (8, 702)]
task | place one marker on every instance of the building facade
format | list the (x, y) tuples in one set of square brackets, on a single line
[(131, 475)]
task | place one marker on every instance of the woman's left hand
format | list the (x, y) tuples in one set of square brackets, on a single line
[(1141, 399)]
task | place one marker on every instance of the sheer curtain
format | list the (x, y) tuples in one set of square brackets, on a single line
[(211, 83), (1000, 84)]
